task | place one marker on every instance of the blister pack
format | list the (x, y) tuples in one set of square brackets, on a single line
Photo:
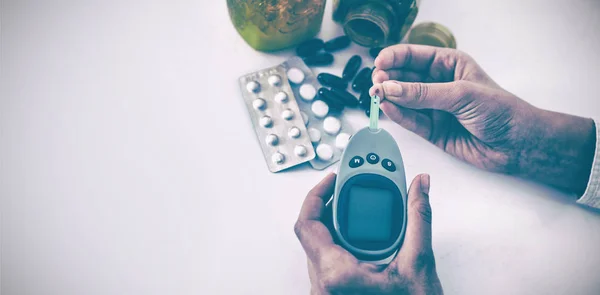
[(276, 118), (328, 130)]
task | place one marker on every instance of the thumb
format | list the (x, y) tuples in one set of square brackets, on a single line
[(418, 229), (450, 97), (417, 240)]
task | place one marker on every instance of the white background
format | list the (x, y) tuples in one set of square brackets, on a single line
[(128, 164)]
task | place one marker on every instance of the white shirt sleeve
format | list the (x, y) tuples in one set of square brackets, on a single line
[(591, 197)]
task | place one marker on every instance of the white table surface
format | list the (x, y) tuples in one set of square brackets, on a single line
[(128, 164)]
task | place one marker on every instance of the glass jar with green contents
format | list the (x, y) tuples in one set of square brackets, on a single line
[(269, 25), (375, 23)]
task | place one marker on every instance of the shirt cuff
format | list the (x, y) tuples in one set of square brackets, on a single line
[(591, 197)]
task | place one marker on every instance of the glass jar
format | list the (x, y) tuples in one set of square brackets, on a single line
[(269, 25), (375, 23)]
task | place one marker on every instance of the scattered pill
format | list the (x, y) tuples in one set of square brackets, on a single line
[(320, 59), (274, 80), (304, 118), (348, 98), (259, 104), (332, 81), (300, 151), (369, 81), (341, 141), (309, 47), (374, 52), (314, 134), (360, 79), (266, 121), (307, 92), (332, 125), (332, 100), (281, 97), (351, 67), (253, 86), (294, 132), (319, 108), (287, 114), (337, 44), (295, 75), (364, 101), (324, 152), (272, 139), (278, 158)]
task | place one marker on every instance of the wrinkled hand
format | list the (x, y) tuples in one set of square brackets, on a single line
[(444, 96), (333, 270)]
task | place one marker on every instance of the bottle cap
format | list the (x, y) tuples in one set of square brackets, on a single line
[(432, 34)]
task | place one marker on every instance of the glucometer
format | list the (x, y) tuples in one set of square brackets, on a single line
[(369, 202)]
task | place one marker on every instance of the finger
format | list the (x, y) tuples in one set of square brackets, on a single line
[(439, 63), (313, 235), (451, 97), (418, 228), (417, 239), (379, 76), (411, 120)]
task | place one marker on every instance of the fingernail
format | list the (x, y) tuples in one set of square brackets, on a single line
[(425, 183)]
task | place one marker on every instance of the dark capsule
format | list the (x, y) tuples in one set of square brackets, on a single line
[(337, 44), (348, 99), (364, 101), (368, 83), (351, 67), (332, 100), (320, 59), (309, 47), (374, 52), (361, 80), (332, 81)]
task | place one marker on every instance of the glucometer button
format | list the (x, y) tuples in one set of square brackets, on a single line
[(388, 165), (356, 162), (372, 158)]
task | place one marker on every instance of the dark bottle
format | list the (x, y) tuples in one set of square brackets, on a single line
[(375, 23)]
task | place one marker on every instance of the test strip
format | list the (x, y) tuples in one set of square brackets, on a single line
[(374, 117)]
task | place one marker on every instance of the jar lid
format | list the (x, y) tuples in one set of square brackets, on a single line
[(432, 34)]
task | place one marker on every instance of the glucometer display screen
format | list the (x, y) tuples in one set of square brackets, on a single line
[(370, 214)]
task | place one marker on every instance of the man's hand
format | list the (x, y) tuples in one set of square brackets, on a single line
[(333, 270), (444, 96)]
